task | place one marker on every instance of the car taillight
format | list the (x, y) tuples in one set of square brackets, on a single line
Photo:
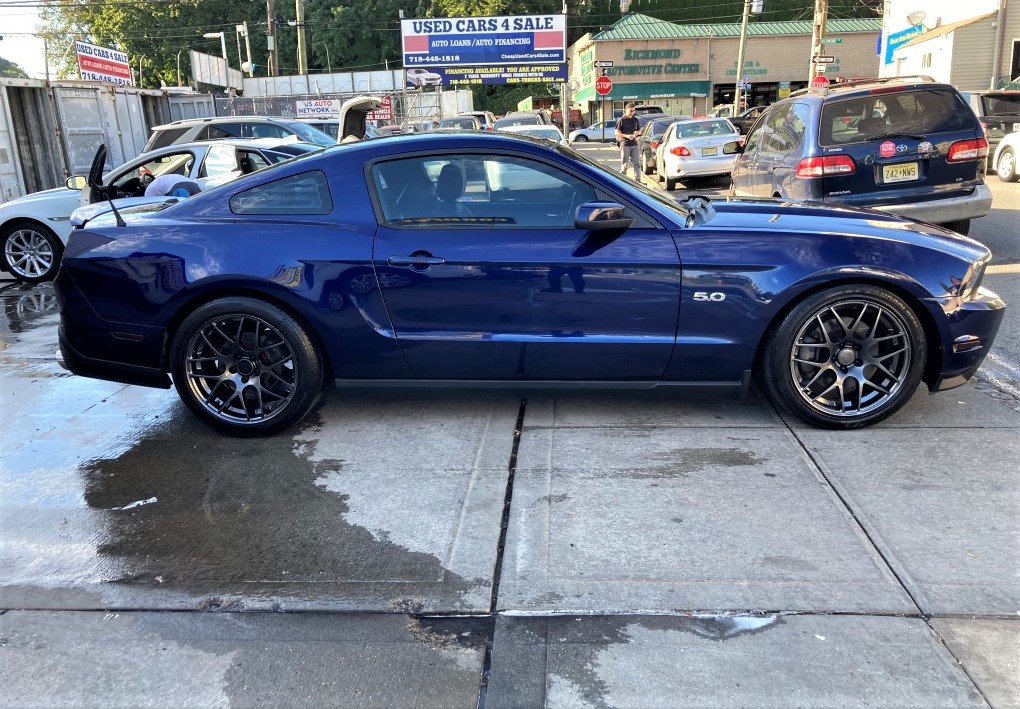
[(680, 151), (654, 144), (828, 165), (974, 149)]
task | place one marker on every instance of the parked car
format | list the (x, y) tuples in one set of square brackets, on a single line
[(745, 119), (998, 111), (486, 118), (322, 131), (575, 273), (694, 148), (34, 228), (551, 133), (523, 118), (724, 110), (647, 109), (651, 136), (1004, 161), (192, 130), (460, 123), (600, 132), (423, 77), (904, 145)]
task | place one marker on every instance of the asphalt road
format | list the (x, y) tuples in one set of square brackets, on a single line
[(471, 548)]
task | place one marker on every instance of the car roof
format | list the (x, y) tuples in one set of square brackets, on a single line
[(863, 87), (224, 119)]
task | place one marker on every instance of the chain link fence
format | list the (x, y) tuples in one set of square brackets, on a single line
[(409, 107)]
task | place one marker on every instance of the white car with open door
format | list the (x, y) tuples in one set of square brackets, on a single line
[(35, 228)]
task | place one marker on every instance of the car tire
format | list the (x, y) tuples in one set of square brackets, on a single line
[(245, 367), (960, 226), (1006, 167), (581, 139), (845, 358), (671, 184), (31, 251), (646, 167)]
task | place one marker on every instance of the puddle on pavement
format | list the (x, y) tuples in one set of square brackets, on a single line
[(235, 516)]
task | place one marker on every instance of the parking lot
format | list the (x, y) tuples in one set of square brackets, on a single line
[(477, 548)]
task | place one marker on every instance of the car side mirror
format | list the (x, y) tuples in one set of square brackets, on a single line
[(601, 216), (734, 147), (76, 182)]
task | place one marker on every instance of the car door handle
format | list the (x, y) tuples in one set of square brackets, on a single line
[(415, 260)]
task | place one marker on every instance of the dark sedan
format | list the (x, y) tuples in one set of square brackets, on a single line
[(447, 258), (743, 121)]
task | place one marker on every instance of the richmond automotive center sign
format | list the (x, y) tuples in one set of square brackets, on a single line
[(488, 50)]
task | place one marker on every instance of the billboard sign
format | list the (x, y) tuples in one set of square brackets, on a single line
[(479, 41), (102, 64), (462, 76), (384, 112)]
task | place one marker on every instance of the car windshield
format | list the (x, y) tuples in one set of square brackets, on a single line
[(701, 129), (310, 135), (1002, 104), (886, 115)]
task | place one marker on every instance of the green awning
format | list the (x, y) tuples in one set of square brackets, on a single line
[(647, 89)]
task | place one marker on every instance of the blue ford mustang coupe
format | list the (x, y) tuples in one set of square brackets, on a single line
[(484, 258)]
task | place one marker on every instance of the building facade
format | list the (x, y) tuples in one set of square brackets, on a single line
[(973, 45), (688, 69)]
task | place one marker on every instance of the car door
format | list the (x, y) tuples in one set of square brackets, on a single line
[(131, 179), (748, 178), (499, 283)]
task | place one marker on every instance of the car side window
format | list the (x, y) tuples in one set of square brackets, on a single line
[(170, 163), (167, 137), (492, 191), (220, 130), (307, 193), (784, 131), (755, 138), (220, 160)]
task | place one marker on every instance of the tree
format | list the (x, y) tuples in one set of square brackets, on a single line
[(11, 70)]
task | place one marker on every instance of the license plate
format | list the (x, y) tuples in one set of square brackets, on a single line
[(706, 152), (904, 172)]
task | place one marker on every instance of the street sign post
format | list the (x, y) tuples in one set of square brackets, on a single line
[(823, 59), (603, 64)]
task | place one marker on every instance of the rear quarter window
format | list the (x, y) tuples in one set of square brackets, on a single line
[(872, 117), (166, 137), (307, 193)]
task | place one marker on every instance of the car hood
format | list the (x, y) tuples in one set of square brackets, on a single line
[(780, 215), (44, 196)]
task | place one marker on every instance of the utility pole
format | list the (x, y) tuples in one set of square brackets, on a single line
[(302, 50), (272, 67), (818, 37), (739, 86)]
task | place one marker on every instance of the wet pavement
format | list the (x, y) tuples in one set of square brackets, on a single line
[(464, 549)]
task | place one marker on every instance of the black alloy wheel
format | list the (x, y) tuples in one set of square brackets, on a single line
[(245, 367), (846, 357)]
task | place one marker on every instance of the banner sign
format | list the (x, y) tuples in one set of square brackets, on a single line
[(384, 112), (103, 64), (461, 76), (477, 41), (318, 108)]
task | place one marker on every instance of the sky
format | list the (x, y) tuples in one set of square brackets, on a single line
[(18, 44)]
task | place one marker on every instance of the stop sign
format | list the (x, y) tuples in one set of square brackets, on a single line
[(819, 82), (603, 85)]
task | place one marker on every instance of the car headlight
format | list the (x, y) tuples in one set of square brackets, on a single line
[(972, 279)]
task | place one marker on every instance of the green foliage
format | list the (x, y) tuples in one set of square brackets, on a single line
[(11, 70)]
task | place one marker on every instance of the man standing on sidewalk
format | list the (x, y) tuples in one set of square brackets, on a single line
[(627, 131)]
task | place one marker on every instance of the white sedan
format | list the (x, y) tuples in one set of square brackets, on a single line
[(34, 229), (550, 133), (1005, 157), (696, 147)]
